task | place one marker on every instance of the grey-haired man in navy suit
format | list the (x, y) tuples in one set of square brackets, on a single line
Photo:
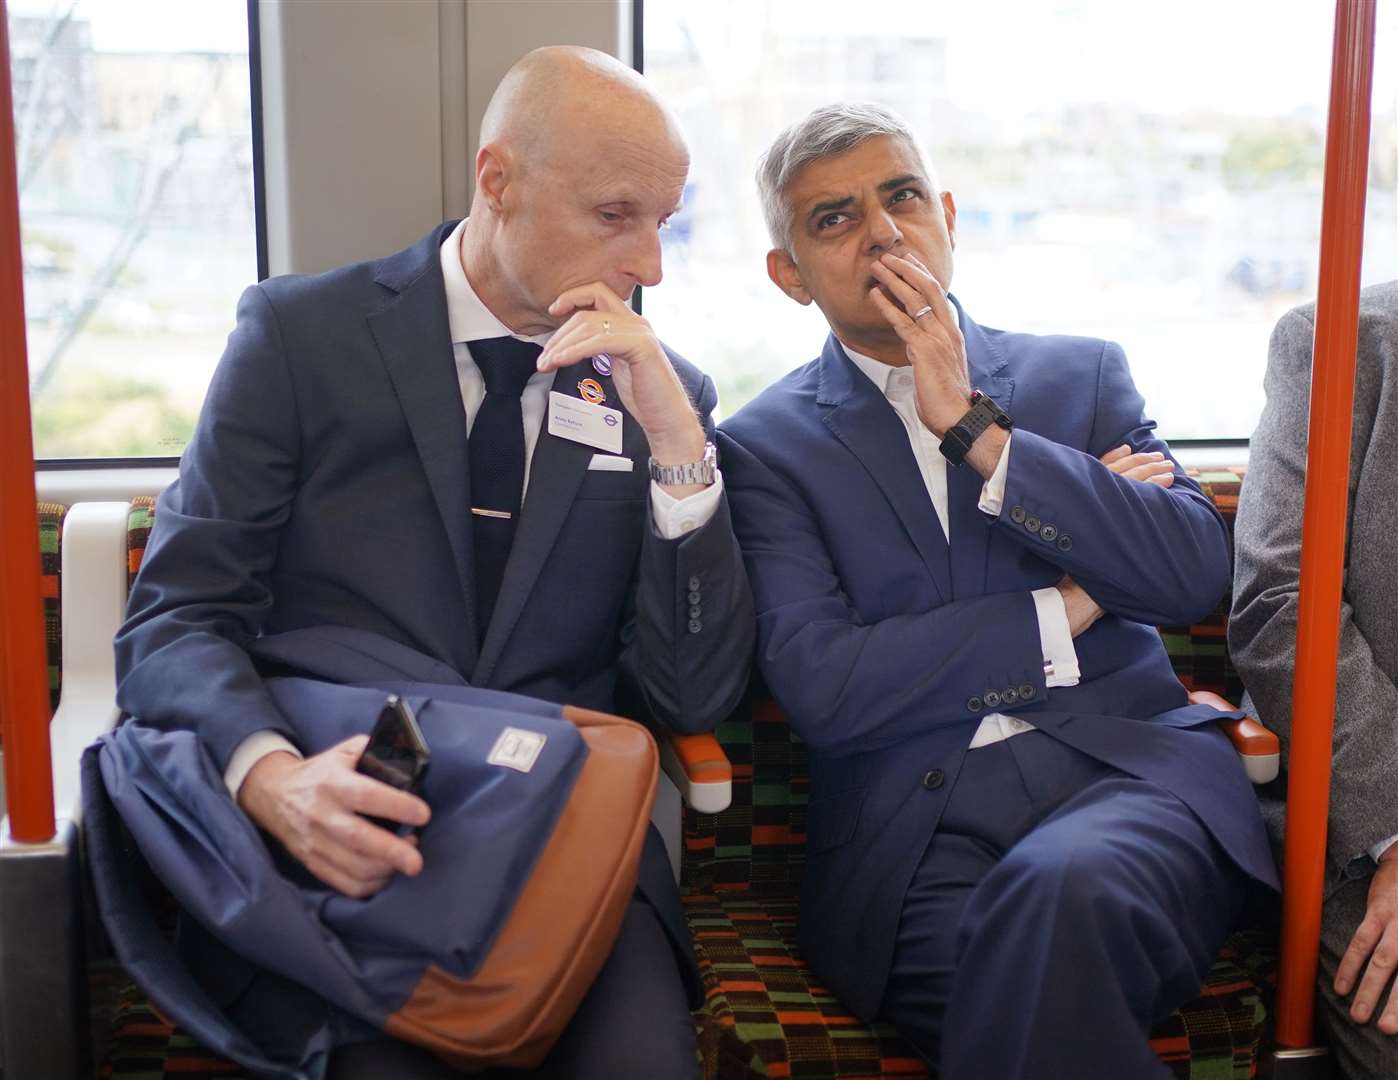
[(1024, 843), (475, 449)]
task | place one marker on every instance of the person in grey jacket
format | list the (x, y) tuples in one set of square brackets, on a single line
[(1359, 933)]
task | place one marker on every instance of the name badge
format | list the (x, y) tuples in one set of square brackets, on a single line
[(581, 421)]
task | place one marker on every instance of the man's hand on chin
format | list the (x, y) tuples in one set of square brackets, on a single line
[(315, 808), (598, 321), (1375, 943)]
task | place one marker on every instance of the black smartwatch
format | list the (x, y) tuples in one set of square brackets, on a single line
[(982, 414)]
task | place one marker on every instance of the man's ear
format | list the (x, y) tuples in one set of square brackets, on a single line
[(949, 209), (492, 175), (786, 275)]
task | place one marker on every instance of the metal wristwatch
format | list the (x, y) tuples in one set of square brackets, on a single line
[(982, 414), (702, 471)]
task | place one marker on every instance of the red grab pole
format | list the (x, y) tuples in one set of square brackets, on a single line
[(24, 698), (1323, 524)]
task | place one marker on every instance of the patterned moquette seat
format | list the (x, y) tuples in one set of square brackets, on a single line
[(765, 1014), (768, 1016), (50, 566)]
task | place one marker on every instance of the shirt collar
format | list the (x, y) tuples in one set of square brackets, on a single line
[(467, 315), (879, 373)]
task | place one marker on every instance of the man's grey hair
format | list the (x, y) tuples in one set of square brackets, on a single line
[(830, 130)]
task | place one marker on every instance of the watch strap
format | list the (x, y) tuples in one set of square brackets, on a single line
[(982, 415), (703, 471)]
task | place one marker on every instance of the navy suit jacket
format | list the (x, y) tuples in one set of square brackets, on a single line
[(885, 644), (327, 486)]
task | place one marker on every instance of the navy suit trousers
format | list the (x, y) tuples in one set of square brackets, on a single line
[(1060, 908)]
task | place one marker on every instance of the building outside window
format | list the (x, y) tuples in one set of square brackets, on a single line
[(1145, 173), (134, 148)]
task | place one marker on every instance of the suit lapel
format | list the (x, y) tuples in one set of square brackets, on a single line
[(414, 339), (970, 528), (861, 418), (556, 471)]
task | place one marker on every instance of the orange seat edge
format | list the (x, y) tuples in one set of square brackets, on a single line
[(702, 758), (1248, 736)]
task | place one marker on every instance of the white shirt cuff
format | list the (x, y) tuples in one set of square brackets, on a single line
[(993, 490), (1056, 639), (1383, 845), (677, 517), (250, 751)]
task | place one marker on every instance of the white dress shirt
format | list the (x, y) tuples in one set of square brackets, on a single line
[(470, 320), (1055, 633)]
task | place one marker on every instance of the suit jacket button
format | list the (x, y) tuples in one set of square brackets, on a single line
[(974, 704), (693, 584), (1026, 691), (1017, 515), (1009, 695), (694, 597), (695, 626), (992, 698), (1031, 523), (1065, 543), (1049, 531), (695, 611), (933, 780)]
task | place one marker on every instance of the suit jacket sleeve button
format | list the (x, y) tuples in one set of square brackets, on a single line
[(992, 698), (694, 597), (1009, 695), (695, 611), (1065, 543), (695, 626), (933, 780), (1017, 515), (1049, 531), (974, 704), (1031, 523), (1026, 691), (694, 584)]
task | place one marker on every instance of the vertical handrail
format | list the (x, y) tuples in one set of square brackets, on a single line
[(1323, 523), (24, 697)]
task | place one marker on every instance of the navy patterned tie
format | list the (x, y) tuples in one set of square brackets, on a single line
[(497, 462)]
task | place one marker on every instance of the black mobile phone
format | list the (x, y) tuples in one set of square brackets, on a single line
[(397, 753)]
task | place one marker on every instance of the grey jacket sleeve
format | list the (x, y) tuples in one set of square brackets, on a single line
[(1262, 627)]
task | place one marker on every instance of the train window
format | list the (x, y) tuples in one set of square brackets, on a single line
[(134, 141), (1147, 173)]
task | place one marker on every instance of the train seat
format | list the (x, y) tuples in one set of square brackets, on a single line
[(51, 517), (765, 1014)]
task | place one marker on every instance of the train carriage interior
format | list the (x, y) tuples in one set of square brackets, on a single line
[(168, 154)]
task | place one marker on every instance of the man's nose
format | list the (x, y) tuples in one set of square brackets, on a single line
[(883, 232), (645, 263)]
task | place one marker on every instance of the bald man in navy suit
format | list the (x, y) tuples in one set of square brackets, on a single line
[(472, 453)]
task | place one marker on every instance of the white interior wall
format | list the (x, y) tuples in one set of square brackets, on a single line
[(371, 110)]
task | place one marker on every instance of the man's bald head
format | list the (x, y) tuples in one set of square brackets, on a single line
[(566, 98), (579, 168)]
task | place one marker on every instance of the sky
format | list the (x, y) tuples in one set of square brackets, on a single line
[(1264, 56), (154, 25)]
